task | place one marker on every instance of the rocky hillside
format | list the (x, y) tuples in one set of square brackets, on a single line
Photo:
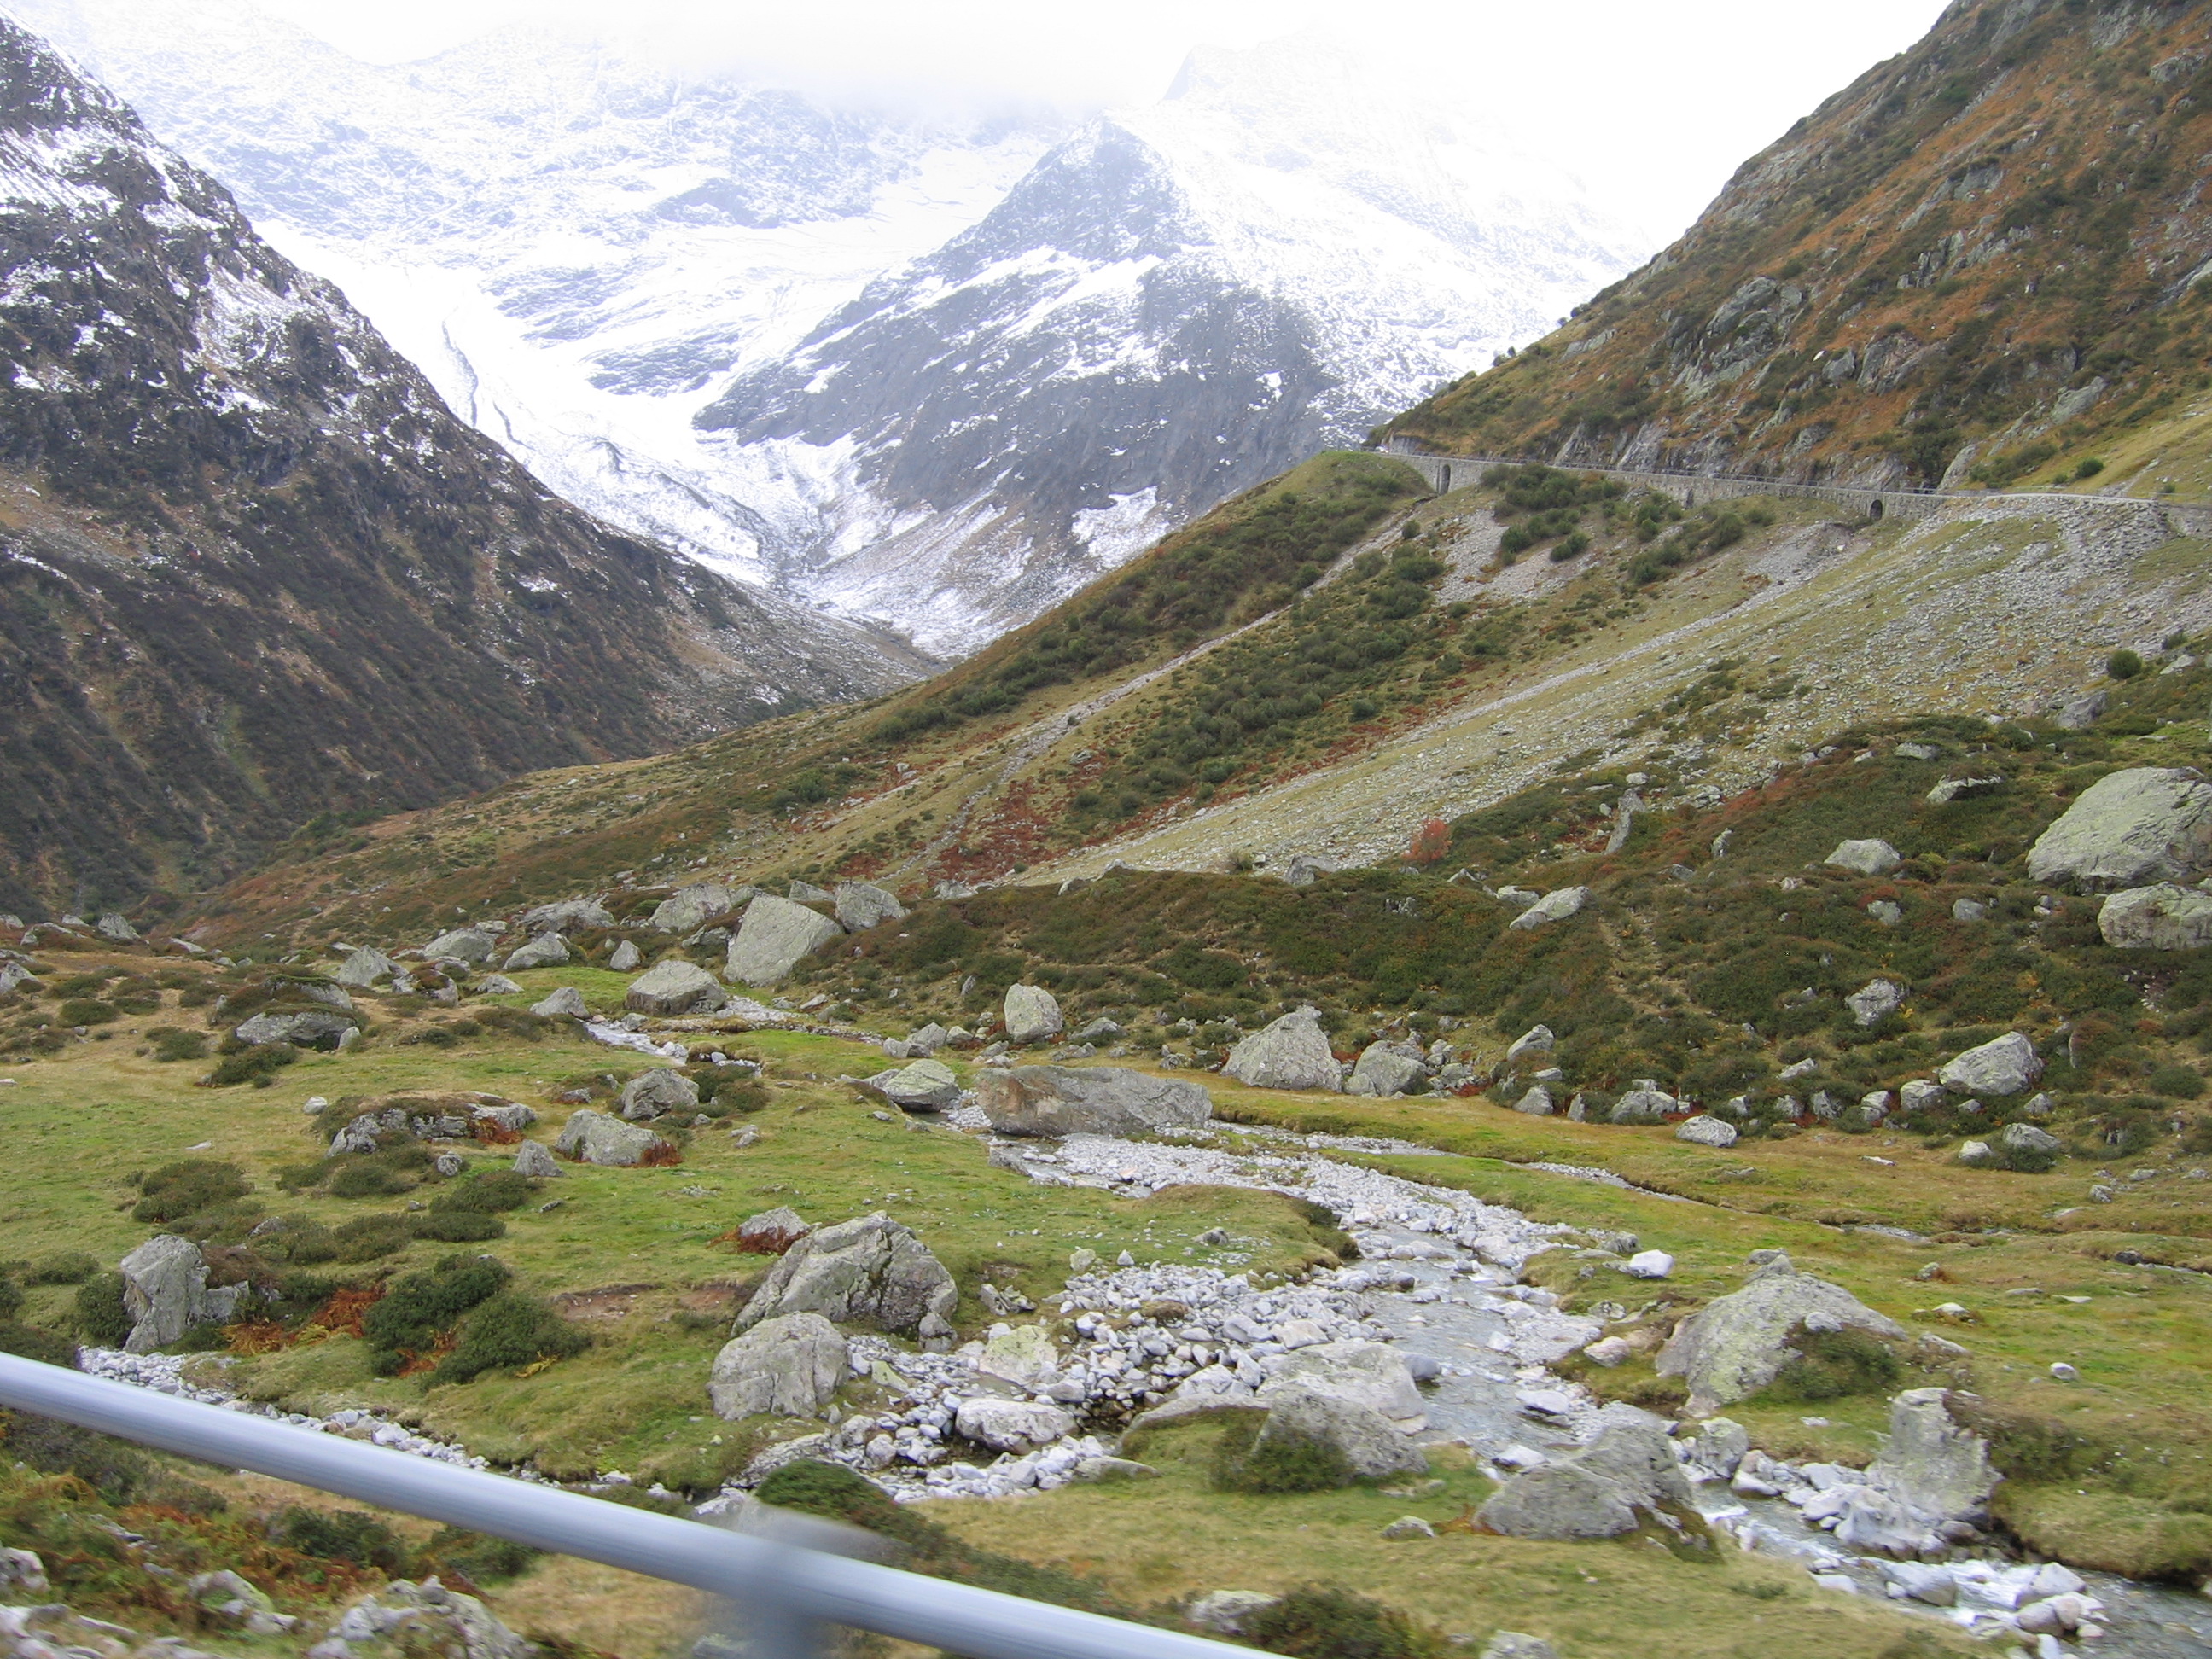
[(1980, 263), (255, 572)]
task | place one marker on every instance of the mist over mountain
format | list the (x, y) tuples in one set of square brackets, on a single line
[(838, 353)]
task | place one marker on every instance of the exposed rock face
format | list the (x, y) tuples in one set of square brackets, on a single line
[(1293, 1053), (364, 967), (1102, 1100), (312, 1029), (1646, 1103), (674, 988), (925, 1085), (1370, 1375), (1705, 1131), (2079, 713), (1876, 1001), (1537, 1103), (594, 1138), (1536, 1040), (1932, 1462), (2003, 1066), (860, 906), (165, 1291), (689, 909), (469, 944), (566, 1003), (1032, 1014), (1010, 1425), (1387, 1068), (532, 1159), (545, 950), (1628, 1473), (790, 1365), (2161, 918), (1868, 858), (2129, 829), (405, 1618), (625, 958), (772, 937), (1372, 1446), (656, 1092), (565, 917), (1734, 1345), (869, 1272), (1555, 906)]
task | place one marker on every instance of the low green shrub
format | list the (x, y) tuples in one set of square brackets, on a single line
[(474, 1557), (1243, 1462), (347, 1535), (486, 1192), (101, 1318), (366, 1237), (172, 1044), (509, 1328), (422, 1306), (65, 1267), (457, 1226), (177, 1190), (257, 1065), (36, 1342), (1831, 1365), (1326, 1621)]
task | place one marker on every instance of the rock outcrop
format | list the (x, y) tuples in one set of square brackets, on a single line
[(860, 906), (1032, 1014), (1293, 1053), (656, 1092), (922, 1085), (593, 1137), (775, 935), (1102, 1100), (545, 950), (2161, 918), (1387, 1068), (1628, 1475), (689, 909), (2003, 1066), (1865, 858), (673, 988), (165, 1291), (1370, 1446), (2129, 829), (790, 1366), (1734, 1346), (1555, 906), (404, 1621), (871, 1271)]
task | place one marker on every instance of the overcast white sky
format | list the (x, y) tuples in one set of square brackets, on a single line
[(1654, 104)]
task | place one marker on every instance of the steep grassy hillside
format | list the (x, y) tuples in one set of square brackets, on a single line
[(252, 571), (1979, 264)]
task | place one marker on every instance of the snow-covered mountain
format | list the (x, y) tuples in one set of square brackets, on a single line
[(933, 370)]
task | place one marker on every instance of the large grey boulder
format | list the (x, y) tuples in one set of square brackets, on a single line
[(1704, 1130), (1101, 1100), (869, 1272), (1369, 1375), (1935, 1464), (1866, 858), (860, 906), (1387, 1068), (689, 909), (1555, 906), (364, 967), (1371, 1447), (790, 1365), (1032, 1014), (806, 892), (2129, 829), (329, 993), (408, 1618), (593, 1137), (1734, 1346), (1625, 1476), (469, 944), (165, 1291), (924, 1085), (13, 973), (309, 1029), (2079, 713), (1875, 1001), (625, 958), (1535, 1042), (774, 937), (1010, 1425), (566, 1003), (674, 988), (532, 1159), (656, 1093), (1293, 1053), (115, 927), (546, 950), (1645, 1102), (2003, 1066), (567, 914), (2161, 918)]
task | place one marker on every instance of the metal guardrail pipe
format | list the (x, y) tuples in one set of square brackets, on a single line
[(792, 1587)]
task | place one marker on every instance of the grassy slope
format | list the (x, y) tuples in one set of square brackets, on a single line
[(1992, 219)]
